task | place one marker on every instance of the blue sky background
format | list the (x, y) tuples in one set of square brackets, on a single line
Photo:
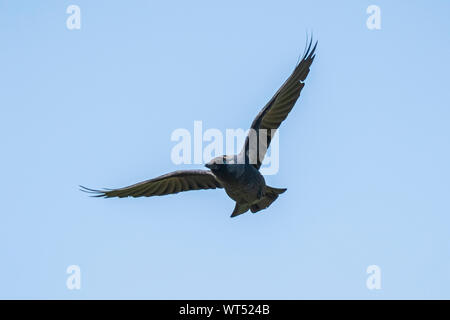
[(364, 154)]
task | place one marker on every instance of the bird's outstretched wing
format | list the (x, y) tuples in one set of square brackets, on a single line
[(174, 182), (276, 110)]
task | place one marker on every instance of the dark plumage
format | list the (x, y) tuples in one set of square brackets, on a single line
[(238, 174)]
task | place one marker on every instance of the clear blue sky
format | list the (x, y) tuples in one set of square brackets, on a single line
[(364, 154)]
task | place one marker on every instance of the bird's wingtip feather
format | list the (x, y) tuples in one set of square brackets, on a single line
[(94, 192)]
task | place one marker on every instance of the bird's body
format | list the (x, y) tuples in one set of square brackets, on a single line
[(242, 182), (238, 174), (247, 188)]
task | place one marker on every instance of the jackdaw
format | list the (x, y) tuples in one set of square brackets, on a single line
[(238, 174)]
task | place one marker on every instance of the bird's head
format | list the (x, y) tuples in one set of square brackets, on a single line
[(225, 161), (217, 163), (226, 166)]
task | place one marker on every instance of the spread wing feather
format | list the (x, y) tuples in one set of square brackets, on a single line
[(277, 109), (170, 183)]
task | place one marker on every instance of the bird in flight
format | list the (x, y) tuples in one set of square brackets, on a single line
[(238, 174)]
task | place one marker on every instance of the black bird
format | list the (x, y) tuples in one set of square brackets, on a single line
[(238, 174)]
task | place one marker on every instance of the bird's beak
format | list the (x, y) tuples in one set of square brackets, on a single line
[(208, 165)]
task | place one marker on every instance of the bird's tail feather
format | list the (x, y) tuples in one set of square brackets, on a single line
[(239, 209), (270, 195)]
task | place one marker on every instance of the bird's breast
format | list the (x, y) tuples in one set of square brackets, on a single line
[(246, 187)]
